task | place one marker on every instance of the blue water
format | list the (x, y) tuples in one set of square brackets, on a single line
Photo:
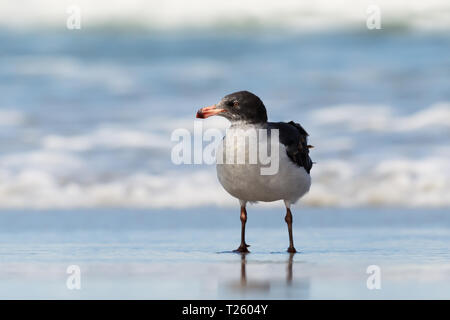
[(88, 114)]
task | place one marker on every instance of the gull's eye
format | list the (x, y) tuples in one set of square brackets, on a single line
[(235, 103)]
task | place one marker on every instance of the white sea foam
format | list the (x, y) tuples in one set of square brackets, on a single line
[(383, 118), (397, 182), (108, 138), (178, 14), (58, 173), (39, 189), (71, 69), (437, 115), (10, 117), (41, 160)]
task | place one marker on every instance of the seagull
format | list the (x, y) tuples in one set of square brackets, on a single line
[(244, 180)]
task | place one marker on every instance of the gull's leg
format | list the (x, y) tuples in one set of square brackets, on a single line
[(243, 246), (288, 219)]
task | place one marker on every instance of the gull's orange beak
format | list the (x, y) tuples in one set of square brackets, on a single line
[(207, 112)]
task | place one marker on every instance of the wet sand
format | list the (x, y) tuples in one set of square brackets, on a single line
[(186, 254)]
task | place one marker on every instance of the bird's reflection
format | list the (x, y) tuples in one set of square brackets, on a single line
[(289, 269), (298, 288), (260, 285), (243, 270)]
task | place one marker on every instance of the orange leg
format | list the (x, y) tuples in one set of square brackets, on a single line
[(288, 219), (243, 246)]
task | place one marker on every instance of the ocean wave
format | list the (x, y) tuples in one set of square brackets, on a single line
[(88, 169), (383, 118), (66, 68), (40, 189), (11, 117), (251, 14), (41, 160), (396, 182), (106, 138)]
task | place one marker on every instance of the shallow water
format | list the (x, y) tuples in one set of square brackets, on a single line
[(187, 254)]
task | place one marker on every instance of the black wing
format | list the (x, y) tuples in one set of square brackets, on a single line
[(295, 138)]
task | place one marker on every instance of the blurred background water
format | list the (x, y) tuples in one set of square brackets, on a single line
[(86, 115), (86, 118)]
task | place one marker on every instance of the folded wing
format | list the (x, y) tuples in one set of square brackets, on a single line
[(295, 138)]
